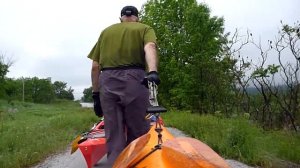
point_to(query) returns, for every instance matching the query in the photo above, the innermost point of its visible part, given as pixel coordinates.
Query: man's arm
(95, 85)
(95, 72)
(152, 62)
(151, 56)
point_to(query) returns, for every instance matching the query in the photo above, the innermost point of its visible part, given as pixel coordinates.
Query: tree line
(31, 89)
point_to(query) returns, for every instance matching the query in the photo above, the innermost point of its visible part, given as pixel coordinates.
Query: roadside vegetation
(30, 132)
(240, 139)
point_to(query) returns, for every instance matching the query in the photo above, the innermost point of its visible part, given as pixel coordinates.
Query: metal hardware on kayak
(155, 110)
(154, 107)
(153, 93)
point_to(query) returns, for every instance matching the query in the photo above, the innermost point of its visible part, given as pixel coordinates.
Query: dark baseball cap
(129, 10)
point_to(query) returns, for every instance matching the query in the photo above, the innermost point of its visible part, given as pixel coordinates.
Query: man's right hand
(153, 77)
(97, 105)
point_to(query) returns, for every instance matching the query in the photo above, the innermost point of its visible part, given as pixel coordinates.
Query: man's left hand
(97, 105)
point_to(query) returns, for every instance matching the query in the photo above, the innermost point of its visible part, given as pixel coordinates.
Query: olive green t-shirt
(122, 45)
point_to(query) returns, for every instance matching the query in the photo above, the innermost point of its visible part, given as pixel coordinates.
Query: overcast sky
(51, 38)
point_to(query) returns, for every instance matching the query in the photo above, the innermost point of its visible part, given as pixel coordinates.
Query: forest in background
(31, 89)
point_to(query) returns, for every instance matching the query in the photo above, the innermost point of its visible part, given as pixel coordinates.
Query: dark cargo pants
(124, 102)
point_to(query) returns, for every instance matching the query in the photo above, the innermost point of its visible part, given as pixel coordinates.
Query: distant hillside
(253, 90)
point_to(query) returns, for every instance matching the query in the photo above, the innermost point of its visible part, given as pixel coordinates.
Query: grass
(30, 132)
(238, 138)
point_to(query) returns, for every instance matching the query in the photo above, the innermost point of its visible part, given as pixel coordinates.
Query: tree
(69, 94)
(13, 89)
(277, 102)
(4, 66)
(193, 71)
(240, 67)
(59, 87)
(42, 90)
(61, 92)
(87, 95)
(289, 39)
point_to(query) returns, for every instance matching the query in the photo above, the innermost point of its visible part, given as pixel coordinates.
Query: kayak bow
(91, 144)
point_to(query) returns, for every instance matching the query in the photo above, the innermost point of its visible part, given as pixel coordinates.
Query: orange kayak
(151, 151)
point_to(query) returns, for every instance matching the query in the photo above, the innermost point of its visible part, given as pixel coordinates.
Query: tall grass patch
(30, 132)
(238, 138)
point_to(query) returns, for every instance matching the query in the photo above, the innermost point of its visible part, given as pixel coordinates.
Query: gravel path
(76, 160)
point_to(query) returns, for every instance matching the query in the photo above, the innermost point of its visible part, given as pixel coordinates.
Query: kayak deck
(173, 152)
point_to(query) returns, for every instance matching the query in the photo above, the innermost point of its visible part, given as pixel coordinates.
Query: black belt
(123, 67)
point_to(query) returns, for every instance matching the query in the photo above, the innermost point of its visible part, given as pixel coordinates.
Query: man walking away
(120, 57)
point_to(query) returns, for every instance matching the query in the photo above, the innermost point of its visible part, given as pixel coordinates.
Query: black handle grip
(156, 109)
